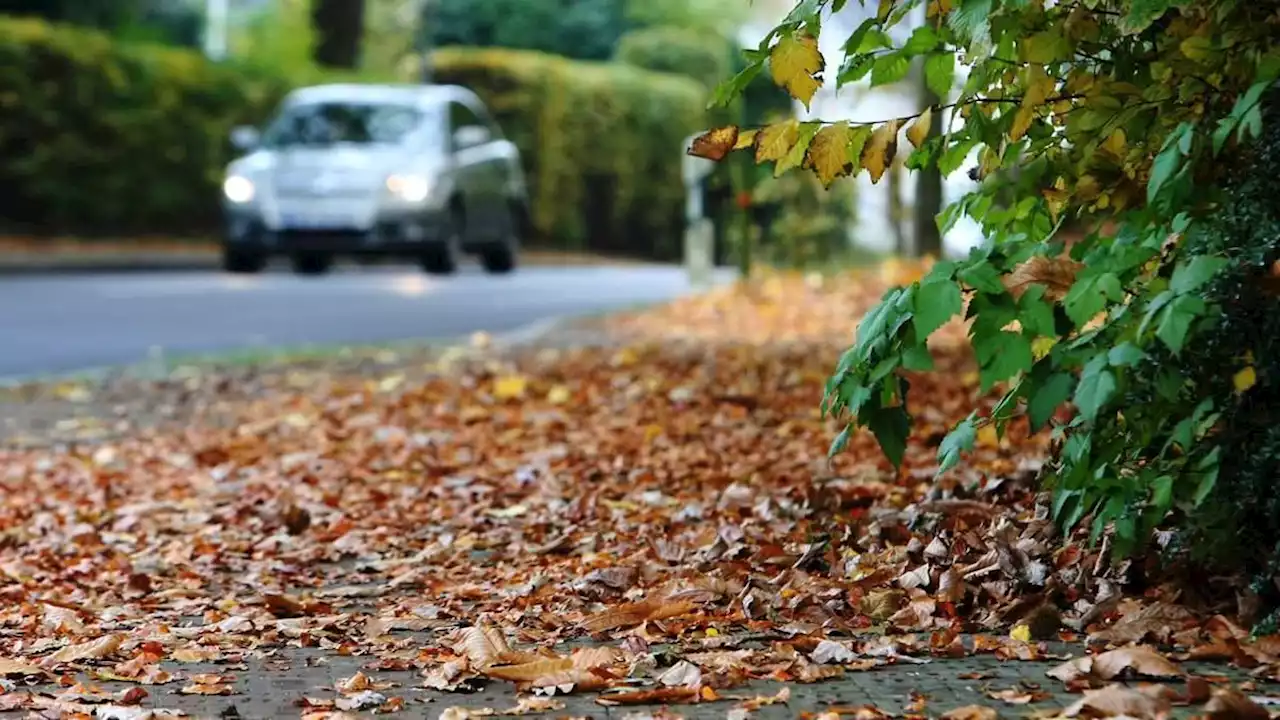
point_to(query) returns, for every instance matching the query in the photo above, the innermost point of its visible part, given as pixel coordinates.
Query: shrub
(678, 51)
(583, 29)
(107, 138)
(601, 144)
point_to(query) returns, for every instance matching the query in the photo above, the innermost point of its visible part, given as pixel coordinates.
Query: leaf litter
(665, 489)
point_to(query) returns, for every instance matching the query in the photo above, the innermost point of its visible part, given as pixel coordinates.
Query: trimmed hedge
(601, 143)
(678, 51)
(99, 137)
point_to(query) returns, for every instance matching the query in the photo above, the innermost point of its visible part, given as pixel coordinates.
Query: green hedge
(679, 51)
(601, 144)
(98, 137)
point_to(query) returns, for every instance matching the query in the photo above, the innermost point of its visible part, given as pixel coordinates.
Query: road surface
(65, 323)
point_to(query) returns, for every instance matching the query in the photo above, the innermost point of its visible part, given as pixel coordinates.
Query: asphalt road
(70, 322)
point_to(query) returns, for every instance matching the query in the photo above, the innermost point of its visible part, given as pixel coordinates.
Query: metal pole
(215, 29)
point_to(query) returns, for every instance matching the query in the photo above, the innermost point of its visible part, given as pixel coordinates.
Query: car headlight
(409, 188)
(238, 189)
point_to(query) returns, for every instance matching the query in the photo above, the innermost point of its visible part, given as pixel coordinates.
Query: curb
(109, 265)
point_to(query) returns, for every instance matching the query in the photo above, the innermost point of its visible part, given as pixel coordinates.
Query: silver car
(418, 172)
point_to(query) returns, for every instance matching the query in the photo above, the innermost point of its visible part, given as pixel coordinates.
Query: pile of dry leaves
(654, 524)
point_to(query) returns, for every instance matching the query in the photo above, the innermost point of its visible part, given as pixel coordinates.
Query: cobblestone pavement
(273, 687)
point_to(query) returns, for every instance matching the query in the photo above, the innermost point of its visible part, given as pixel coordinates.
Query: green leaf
(1089, 295)
(1097, 386)
(1125, 354)
(1167, 163)
(940, 73)
(935, 304)
(1001, 355)
(922, 40)
(954, 156)
(889, 69)
(1046, 398)
(983, 277)
(918, 358)
(960, 439)
(972, 19)
(891, 426)
(841, 441)
(1191, 275)
(733, 87)
(1176, 318)
(1162, 494)
(1035, 314)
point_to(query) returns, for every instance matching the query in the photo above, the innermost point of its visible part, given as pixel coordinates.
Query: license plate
(311, 221)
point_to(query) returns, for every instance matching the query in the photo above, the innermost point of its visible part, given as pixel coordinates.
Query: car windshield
(333, 123)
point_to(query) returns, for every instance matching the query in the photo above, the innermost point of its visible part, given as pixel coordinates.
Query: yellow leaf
(776, 140)
(1021, 633)
(1021, 122)
(1115, 143)
(714, 144)
(746, 138)
(882, 12)
(988, 437)
(1056, 200)
(795, 64)
(880, 149)
(509, 387)
(558, 395)
(1041, 346)
(829, 152)
(1087, 188)
(1038, 86)
(1245, 379)
(918, 131)
(712, 632)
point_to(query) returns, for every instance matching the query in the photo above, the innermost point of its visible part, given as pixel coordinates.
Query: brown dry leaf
(1018, 696)
(654, 696)
(1156, 621)
(1117, 700)
(20, 668)
(482, 646)
(1230, 704)
(99, 649)
(1056, 275)
(636, 614)
(971, 712)
(198, 688)
(1137, 660)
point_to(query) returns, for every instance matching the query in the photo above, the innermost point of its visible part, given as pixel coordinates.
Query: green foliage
(107, 137)
(677, 50)
(600, 143)
(1140, 112)
(280, 39)
(806, 227)
(583, 29)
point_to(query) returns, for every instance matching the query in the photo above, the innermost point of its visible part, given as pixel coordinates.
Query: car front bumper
(393, 233)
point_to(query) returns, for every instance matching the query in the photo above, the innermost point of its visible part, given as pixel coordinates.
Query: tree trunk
(928, 199)
(339, 26)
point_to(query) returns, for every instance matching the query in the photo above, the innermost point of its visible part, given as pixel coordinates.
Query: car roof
(359, 92)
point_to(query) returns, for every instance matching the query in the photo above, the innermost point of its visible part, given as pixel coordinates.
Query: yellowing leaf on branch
(828, 154)
(795, 64)
(776, 140)
(715, 143)
(746, 138)
(918, 130)
(1245, 379)
(880, 149)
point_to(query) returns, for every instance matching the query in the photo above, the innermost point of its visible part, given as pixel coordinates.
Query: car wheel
(499, 259)
(441, 258)
(312, 263)
(242, 262)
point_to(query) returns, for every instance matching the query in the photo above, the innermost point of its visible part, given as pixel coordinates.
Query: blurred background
(115, 116)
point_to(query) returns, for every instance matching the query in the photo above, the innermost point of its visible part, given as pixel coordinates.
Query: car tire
(242, 262)
(312, 263)
(442, 258)
(499, 259)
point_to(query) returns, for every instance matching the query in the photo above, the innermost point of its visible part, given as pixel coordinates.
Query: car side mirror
(471, 136)
(245, 138)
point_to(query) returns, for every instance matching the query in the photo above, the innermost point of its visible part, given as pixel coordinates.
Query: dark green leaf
(971, 19)
(1097, 386)
(891, 426)
(935, 304)
(983, 277)
(1191, 275)
(960, 439)
(1036, 314)
(1001, 356)
(1089, 295)
(918, 358)
(1047, 397)
(1176, 319)
(1125, 354)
